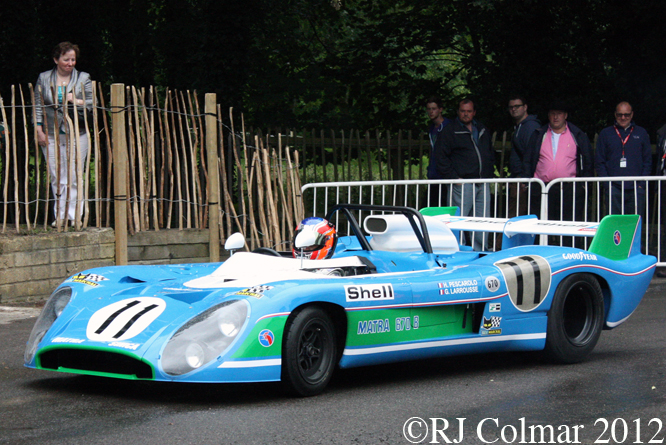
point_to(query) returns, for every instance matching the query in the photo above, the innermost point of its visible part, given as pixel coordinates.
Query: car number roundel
(527, 280)
(124, 319)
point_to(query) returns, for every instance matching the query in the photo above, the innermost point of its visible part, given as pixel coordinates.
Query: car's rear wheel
(308, 352)
(575, 319)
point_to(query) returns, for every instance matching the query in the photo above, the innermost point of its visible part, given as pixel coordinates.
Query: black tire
(309, 352)
(575, 319)
(266, 251)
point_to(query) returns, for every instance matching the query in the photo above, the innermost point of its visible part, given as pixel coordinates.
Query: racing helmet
(325, 239)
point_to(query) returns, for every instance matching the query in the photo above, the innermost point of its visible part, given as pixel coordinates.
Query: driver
(325, 239)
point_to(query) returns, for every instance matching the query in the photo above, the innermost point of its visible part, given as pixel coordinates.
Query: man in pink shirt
(560, 150)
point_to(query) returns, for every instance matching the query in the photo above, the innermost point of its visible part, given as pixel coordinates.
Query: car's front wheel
(308, 352)
(575, 319)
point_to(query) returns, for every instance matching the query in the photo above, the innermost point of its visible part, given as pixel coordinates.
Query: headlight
(230, 322)
(204, 337)
(52, 310)
(195, 355)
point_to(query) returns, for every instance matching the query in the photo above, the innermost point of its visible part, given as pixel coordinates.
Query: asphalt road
(618, 395)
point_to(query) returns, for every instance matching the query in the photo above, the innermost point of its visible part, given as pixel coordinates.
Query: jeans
(473, 200)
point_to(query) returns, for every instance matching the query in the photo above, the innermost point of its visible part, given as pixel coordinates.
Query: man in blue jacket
(464, 151)
(623, 149)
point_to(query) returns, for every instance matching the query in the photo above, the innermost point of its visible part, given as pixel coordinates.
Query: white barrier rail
(580, 199)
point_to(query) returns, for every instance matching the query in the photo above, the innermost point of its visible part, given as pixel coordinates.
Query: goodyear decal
(369, 292)
(527, 279)
(582, 256)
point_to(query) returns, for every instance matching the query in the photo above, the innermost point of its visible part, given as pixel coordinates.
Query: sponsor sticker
(373, 327)
(91, 279)
(495, 307)
(266, 338)
(582, 256)
(464, 286)
(125, 345)
(67, 340)
(255, 291)
(491, 326)
(370, 292)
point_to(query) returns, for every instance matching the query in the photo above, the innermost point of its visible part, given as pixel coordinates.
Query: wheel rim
(314, 352)
(579, 315)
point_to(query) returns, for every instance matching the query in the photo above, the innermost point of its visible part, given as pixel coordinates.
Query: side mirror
(304, 239)
(234, 242)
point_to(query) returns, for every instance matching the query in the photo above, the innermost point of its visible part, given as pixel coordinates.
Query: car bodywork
(401, 288)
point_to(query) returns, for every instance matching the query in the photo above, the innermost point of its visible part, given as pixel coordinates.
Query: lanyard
(624, 141)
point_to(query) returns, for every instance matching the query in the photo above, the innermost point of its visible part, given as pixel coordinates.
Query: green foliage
(359, 63)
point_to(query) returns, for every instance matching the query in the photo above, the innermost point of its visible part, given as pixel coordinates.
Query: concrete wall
(31, 266)
(168, 247)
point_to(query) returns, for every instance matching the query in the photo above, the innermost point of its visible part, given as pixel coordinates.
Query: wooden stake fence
(169, 178)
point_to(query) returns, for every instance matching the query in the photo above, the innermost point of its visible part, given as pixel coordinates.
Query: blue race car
(401, 288)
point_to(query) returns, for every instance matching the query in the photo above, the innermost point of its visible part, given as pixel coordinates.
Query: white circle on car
(492, 283)
(124, 319)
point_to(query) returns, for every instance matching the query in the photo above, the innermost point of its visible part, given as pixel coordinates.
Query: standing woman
(61, 89)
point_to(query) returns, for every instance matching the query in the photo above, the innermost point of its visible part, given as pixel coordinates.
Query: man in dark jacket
(434, 110)
(464, 151)
(624, 149)
(560, 150)
(524, 125)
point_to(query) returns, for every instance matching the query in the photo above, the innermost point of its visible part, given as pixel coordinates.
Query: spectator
(56, 90)
(559, 150)
(464, 151)
(524, 125)
(624, 149)
(434, 109)
(661, 171)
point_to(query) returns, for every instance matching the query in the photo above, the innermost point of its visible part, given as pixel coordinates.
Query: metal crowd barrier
(580, 199)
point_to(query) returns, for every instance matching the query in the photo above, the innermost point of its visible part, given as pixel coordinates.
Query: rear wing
(616, 237)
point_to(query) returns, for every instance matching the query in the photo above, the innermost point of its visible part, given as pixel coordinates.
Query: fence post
(119, 171)
(213, 178)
